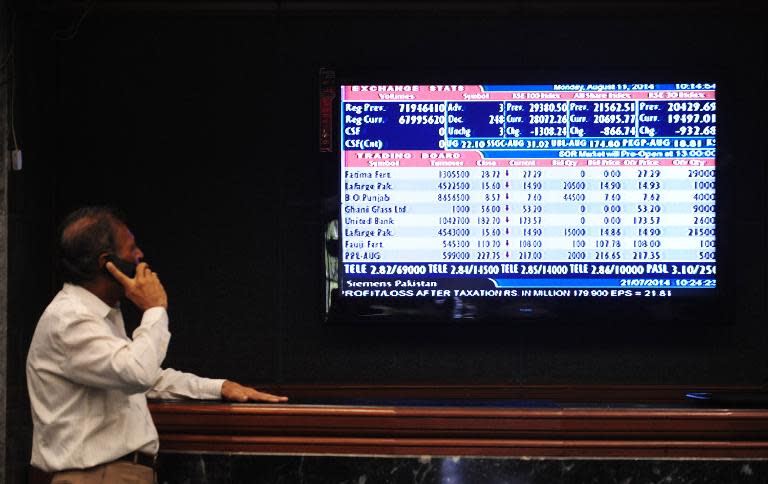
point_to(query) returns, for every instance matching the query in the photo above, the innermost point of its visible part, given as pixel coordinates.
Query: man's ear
(103, 259)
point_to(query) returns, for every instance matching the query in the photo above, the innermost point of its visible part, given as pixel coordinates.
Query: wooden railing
(488, 421)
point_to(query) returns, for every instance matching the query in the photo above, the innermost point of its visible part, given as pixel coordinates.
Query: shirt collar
(89, 299)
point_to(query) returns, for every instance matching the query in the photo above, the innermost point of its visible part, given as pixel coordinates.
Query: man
(88, 382)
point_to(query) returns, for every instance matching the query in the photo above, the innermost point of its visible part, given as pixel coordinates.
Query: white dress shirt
(89, 383)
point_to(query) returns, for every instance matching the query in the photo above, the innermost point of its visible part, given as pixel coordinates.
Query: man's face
(127, 249)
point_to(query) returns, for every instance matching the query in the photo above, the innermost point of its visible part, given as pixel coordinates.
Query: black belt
(141, 459)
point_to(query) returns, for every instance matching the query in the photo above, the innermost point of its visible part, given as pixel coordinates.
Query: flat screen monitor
(506, 202)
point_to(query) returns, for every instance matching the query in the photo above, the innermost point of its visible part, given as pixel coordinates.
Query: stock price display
(565, 190)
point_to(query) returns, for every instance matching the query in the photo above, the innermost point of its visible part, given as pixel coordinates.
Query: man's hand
(239, 393)
(145, 290)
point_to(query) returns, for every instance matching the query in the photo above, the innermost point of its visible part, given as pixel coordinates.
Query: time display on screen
(531, 190)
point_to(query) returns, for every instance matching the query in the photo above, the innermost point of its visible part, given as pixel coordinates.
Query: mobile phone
(126, 267)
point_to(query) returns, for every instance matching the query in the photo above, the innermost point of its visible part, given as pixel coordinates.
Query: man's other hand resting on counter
(240, 393)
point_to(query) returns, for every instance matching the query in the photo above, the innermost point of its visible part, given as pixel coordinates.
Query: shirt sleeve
(177, 384)
(96, 357)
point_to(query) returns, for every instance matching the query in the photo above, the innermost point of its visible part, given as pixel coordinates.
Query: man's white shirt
(88, 382)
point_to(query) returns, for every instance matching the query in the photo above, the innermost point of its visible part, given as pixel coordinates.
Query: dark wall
(204, 129)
